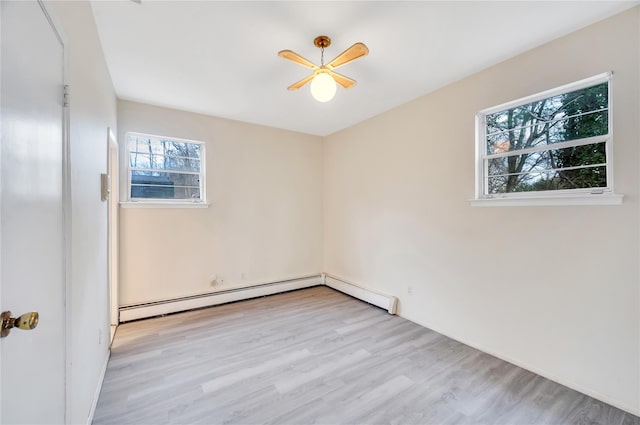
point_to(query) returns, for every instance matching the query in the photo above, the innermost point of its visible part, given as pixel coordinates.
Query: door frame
(113, 181)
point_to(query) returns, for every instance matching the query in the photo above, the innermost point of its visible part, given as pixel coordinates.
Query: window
(163, 169)
(554, 143)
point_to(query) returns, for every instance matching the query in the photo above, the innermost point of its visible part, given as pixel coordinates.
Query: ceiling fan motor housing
(322, 41)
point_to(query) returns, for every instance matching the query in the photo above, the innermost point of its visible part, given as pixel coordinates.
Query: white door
(32, 249)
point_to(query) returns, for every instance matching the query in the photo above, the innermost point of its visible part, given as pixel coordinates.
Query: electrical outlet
(99, 336)
(409, 290)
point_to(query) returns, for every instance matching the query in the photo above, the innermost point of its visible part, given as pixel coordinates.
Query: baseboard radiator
(387, 302)
(159, 308)
(162, 307)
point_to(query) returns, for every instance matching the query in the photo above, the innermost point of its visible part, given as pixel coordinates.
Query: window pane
(575, 115)
(566, 129)
(161, 162)
(152, 152)
(577, 156)
(547, 170)
(160, 192)
(152, 184)
(179, 149)
(579, 178)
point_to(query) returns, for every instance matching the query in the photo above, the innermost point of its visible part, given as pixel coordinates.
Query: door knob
(25, 322)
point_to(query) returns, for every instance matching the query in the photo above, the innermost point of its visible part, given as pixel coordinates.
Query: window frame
(165, 202)
(580, 196)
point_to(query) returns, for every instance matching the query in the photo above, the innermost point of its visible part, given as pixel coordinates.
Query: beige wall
(386, 204)
(554, 289)
(265, 219)
(92, 110)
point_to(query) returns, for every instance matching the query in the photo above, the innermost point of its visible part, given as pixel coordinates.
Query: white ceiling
(220, 58)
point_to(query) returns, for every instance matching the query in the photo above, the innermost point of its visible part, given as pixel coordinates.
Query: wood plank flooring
(316, 356)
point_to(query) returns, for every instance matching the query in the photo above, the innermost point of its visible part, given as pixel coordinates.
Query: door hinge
(65, 96)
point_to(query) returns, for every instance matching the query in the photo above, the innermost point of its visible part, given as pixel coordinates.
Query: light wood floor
(318, 356)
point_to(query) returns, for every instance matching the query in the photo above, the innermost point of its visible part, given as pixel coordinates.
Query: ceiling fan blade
(294, 57)
(354, 52)
(345, 82)
(296, 86)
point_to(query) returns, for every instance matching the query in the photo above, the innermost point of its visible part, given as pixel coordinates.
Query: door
(32, 200)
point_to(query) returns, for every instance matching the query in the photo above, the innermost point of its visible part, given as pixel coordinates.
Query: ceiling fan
(324, 79)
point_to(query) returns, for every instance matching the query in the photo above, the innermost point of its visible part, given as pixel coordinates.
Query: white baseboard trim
(159, 308)
(631, 409)
(96, 395)
(387, 302)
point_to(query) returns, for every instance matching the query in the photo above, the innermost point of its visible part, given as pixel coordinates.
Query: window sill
(590, 199)
(151, 204)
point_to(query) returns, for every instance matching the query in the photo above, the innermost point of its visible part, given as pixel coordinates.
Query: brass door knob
(25, 322)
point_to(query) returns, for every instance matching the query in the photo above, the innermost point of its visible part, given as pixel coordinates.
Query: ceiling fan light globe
(323, 87)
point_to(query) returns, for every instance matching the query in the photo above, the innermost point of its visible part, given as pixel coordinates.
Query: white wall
(264, 222)
(93, 109)
(555, 289)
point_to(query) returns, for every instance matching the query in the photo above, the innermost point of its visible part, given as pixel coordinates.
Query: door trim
(66, 205)
(113, 171)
